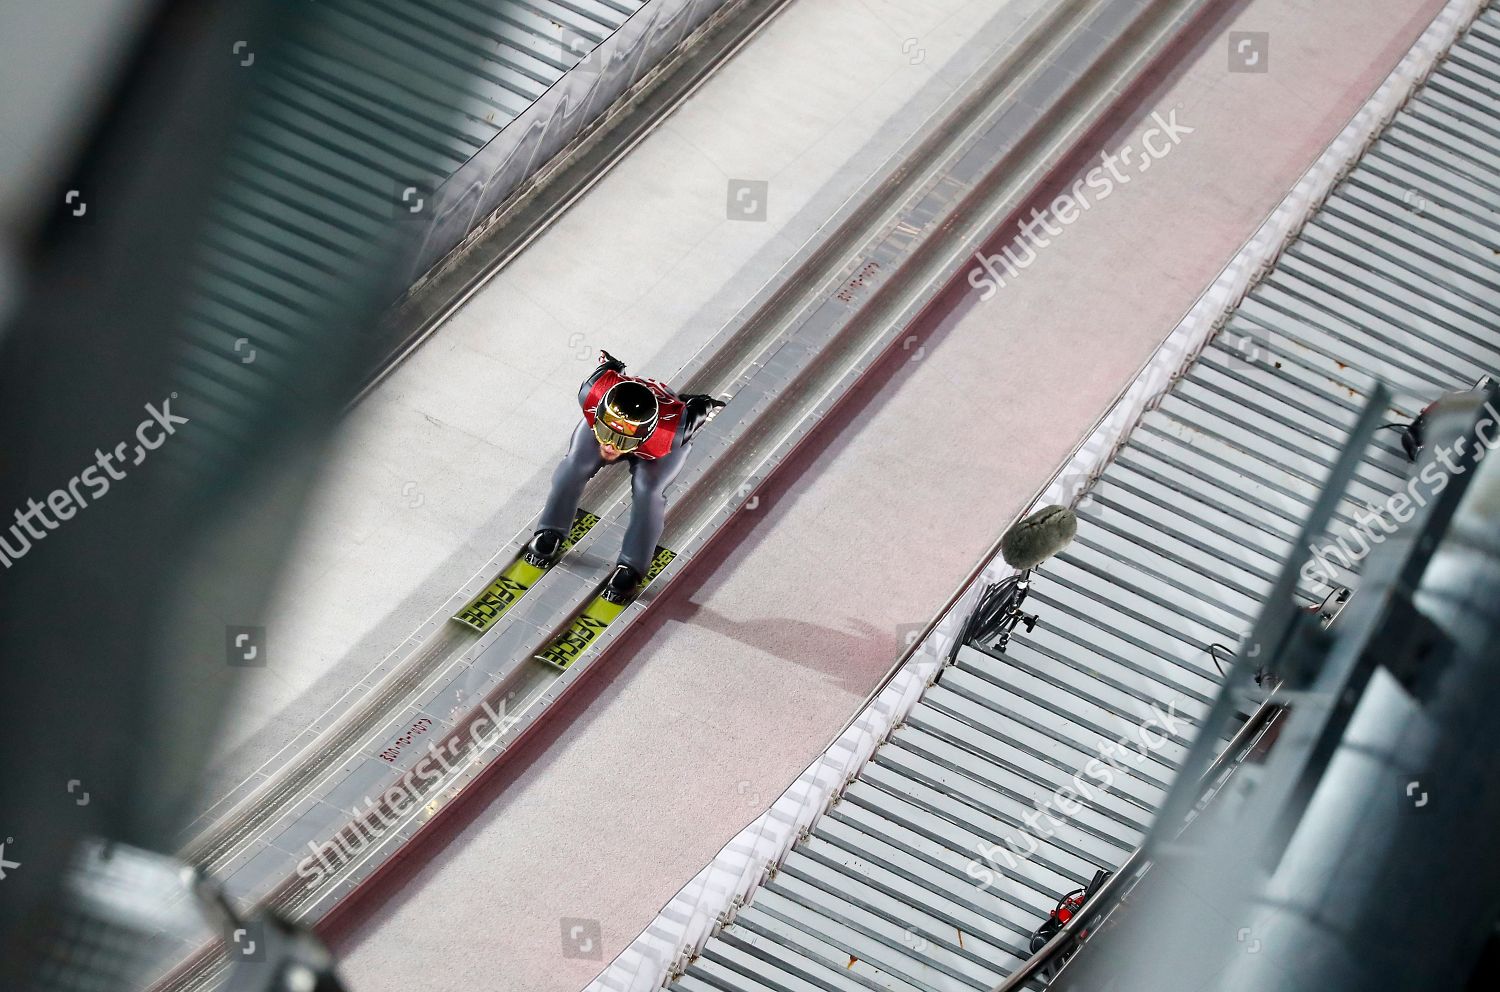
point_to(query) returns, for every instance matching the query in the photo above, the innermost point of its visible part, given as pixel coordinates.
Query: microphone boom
(1038, 537)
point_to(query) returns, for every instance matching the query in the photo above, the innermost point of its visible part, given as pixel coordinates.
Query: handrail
(1067, 938)
(1402, 571)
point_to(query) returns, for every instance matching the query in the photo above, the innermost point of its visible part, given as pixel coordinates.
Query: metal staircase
(932, 869)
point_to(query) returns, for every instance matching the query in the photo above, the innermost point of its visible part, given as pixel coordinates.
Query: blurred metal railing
(1049, 962)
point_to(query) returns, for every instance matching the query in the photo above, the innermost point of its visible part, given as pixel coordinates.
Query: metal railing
(1292, 671)
(1275, 626)
(1056, 953)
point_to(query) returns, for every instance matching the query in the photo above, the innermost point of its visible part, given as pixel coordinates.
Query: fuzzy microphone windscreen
(1038, 537)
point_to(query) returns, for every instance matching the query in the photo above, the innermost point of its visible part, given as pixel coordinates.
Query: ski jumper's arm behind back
(607, 363)
(699, 409)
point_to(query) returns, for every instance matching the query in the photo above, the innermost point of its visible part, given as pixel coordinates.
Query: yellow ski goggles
(616, 435)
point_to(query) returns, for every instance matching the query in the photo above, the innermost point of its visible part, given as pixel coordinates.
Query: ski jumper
(653, 465)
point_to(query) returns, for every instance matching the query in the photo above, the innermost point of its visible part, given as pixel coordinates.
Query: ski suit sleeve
(698, 409)
(607, 363)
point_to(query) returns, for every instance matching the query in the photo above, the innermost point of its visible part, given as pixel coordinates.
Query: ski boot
(545, 548)
(622, 585)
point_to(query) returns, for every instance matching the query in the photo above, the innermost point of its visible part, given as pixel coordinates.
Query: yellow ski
(599, 614)
(517, 579)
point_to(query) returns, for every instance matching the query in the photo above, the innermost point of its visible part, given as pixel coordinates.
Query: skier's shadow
(852, 656)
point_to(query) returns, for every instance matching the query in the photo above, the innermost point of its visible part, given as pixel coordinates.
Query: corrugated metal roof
(362, 109)
(481, 63)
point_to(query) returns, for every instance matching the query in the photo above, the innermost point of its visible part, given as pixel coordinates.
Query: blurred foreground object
(1335, 865)
(188, 317)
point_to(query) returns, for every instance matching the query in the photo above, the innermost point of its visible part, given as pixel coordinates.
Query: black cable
(1212, 654)
(992, 610)
(1337, 590)
(984, 622)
